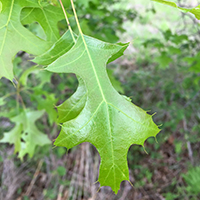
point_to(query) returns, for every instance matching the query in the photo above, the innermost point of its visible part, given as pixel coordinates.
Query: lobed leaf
(14, 37)
(108, 120)
(60, 47)
(47, 16)
(72, 107)
(25, 135)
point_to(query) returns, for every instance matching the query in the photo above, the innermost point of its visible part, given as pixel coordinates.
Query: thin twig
(34, 178)
(190, 152)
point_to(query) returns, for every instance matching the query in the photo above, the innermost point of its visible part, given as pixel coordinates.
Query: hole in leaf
(65, 85)
(36, 29)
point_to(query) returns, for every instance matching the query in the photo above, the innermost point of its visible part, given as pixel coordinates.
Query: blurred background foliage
(160, 72)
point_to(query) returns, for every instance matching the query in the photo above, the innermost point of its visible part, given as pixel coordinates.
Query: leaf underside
(48, 17)
(14, 37)
(108, 120)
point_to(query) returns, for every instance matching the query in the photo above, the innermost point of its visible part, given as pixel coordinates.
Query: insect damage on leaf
(108, 121)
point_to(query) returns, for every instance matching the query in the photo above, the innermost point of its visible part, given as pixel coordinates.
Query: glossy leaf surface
(108, 120)
(74, 105)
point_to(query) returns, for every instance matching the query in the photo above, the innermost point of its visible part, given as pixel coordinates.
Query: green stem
(76, 18)
(68, 23)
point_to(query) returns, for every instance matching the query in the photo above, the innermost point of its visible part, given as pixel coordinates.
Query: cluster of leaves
(96, 112)
(171, 66)
(100, 19)
(177, 53)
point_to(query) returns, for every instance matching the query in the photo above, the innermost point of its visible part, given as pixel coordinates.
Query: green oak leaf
(116, 84)
(195, 11)
(74, 105)
(108, 121)
(47, 16)
(60, 47)
(64, 44)
(31, 135)
(169, 3)
(47, 103)
(14, 37)
(25, 135)
(14, 136)
(118, 53)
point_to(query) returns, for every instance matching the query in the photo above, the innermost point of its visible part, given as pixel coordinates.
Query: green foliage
(192, 179)
(96, 112)
(106, 114)
(47, 16)
(25, 135)
(14, 34)
(195, 11)
(100, 19)
(61, 170)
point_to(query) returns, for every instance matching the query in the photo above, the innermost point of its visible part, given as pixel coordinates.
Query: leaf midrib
(104, 99)
(111, 141)
(93, 68)
(83, 125)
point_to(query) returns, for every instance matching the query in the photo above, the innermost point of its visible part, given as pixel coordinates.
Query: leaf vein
(83, 125)
(129, 116)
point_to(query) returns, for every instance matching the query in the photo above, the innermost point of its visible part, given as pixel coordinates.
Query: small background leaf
(25, 135)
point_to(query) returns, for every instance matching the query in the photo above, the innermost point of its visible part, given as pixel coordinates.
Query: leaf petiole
(76, 18)
(68, 23)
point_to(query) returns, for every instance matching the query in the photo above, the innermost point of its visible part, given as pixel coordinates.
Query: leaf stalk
(67, 20)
